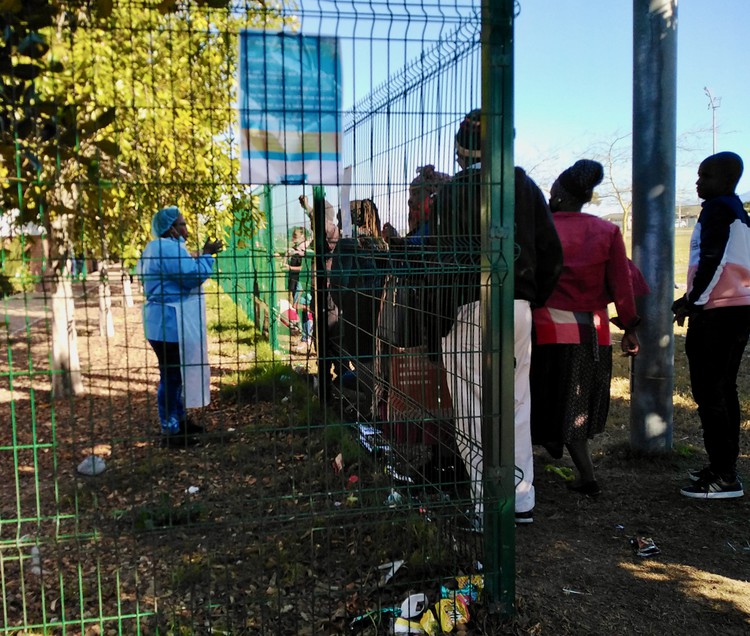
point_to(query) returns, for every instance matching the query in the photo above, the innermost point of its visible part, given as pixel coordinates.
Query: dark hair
(581, 178)
(365, 215)
(731, 165)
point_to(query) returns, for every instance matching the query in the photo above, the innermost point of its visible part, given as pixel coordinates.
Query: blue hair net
(163, 220)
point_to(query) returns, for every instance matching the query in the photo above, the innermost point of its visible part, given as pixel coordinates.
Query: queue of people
(569, 267)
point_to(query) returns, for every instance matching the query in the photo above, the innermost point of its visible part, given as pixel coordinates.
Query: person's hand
(630, 345)
(212, 247)
(681, 309)
(303, 201)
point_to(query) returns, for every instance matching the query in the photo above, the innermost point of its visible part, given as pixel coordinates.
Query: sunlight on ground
(695, 584)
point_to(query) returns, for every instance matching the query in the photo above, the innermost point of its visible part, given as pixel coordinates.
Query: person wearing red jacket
(571, 363)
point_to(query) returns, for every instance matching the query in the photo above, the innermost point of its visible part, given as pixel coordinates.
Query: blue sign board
(290, 108)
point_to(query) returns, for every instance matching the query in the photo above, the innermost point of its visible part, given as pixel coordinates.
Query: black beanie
(469, 135)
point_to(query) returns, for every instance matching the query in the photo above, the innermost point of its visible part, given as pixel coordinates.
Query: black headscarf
(580, 179)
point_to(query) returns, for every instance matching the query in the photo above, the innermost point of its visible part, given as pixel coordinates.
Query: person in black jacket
(538, 264)
(717, 306)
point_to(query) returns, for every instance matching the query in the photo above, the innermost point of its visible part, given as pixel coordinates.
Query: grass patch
(235, 334)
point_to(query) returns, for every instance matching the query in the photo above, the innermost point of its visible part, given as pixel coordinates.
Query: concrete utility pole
(713, 104)
(654, 153)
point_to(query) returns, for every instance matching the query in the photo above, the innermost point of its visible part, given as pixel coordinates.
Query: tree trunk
(66, 365)
(106, 321)
(127, 289)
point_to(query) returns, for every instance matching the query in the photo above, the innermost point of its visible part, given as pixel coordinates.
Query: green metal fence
(313, 503)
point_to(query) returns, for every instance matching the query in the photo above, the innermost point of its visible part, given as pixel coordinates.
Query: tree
(108, 113)
(616, 157)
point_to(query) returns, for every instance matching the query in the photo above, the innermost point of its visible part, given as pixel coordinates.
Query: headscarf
(580, 179)
(468, 137)
(163, 220)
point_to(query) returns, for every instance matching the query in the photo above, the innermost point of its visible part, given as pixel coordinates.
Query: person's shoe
(588, 488)
(714, 487)
(525, 517)
(700, 474)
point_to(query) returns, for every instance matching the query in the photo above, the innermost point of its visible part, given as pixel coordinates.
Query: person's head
(298, 235)
(718, 175)
(365, 217)
(169, 223)
(422, 192)
(389, 232)
(469, 139)
(575, 186)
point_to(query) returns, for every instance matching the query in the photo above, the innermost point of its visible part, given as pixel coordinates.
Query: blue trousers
(715, 342)
(169, 394)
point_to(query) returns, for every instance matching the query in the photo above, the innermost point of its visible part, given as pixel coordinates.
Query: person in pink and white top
(717, 305)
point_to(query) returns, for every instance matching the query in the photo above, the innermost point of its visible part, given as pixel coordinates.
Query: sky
(573, 75)
(573, 83)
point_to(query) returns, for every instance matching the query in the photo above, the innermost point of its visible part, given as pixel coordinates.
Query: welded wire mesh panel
(258, 437)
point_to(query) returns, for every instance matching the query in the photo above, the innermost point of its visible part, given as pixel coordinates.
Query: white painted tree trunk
(66, 365)
(106, 320)
(127, 289)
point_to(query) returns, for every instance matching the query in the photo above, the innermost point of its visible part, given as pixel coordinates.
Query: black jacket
(457, 228)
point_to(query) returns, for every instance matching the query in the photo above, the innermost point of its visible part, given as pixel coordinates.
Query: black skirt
(569, 391)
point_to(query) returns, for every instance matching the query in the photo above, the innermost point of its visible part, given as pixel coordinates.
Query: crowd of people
(569, 268)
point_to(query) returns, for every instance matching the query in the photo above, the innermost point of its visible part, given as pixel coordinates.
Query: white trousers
(462, 356)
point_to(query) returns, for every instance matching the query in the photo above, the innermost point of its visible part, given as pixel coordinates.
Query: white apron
(193, 341)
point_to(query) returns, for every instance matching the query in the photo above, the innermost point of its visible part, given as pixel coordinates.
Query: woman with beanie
(571, 364)
(175, 323)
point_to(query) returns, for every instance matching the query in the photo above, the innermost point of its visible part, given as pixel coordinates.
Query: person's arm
(305, 204)
(715, 220)
(187, 271)
(620, 284)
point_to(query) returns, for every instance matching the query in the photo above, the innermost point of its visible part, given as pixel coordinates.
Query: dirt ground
(255, 532)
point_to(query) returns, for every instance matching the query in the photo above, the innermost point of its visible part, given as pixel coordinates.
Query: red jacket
(595, 267)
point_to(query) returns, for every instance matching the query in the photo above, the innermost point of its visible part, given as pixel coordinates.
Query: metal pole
(713, 104)
(497, 304)
(654, 151)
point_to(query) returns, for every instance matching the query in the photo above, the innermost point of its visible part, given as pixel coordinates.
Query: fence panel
(317, 483)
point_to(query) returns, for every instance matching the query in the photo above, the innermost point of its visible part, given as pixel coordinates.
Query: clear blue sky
(573, 82)
(573, 74)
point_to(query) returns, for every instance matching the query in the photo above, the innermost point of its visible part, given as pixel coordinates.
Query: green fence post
(497, 302)
(267, 204)
(321, 288)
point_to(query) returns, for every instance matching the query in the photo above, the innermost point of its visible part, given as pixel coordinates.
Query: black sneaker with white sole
(714, 487)
(525, 517)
